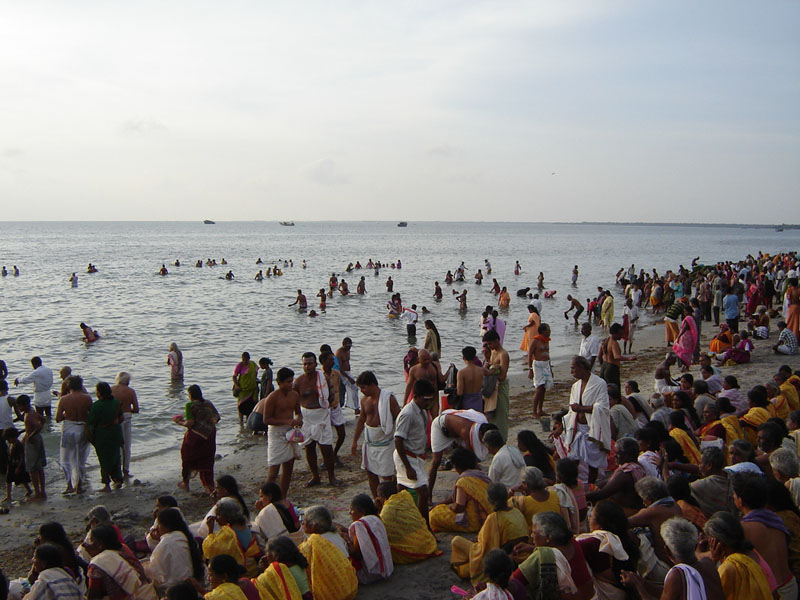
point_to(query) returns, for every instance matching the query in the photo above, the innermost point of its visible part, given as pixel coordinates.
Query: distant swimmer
(229, 275)
(177, 263)
(540, 281)
(199, 264)
(89, 334)
(390, 284)
(223, 262)
(313, 313)
(523, 292)
(259, 261)
(495, 287)
(300, 301)
(462, 300)
(575, 275)
(16, 271)
(74, 280)
(488, 266)
(163, 270)
(259, 276)
(550, 293)
(90, 269)
(399, 264)
(344, 290)
(412, 317)
(517, 268)
(5, 271)
(361, 289)
(504, 299)
(576, 306)
(333, 282)
(448, 279)
(321, 296)
(479, 277)
(437, 291)
(304, 263)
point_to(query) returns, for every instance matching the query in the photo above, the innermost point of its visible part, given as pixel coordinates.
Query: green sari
(105, 433)
(541, 571)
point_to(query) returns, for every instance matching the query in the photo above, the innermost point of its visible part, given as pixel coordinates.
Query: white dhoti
(317, 426)
(350, 397)
(376, 452)
(441, 441)
(74, 451)
(586, 450)
(542, 374)
(126, 441)
(418, 466)
(279, 450)
(337, 416)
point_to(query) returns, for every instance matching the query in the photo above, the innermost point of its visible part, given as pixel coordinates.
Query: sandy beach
(132, 505)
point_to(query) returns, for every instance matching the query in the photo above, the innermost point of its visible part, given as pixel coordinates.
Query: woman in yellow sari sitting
(468, 507)
(739, 570)
(722, 341)
(330, 572)
(410, 540)
(537, 497)
(232, 537)
(223, 575)
(757, 415)
(679, 433)
(502, 529)
(284, 576)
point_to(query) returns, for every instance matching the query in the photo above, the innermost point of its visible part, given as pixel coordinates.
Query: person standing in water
(175, 362)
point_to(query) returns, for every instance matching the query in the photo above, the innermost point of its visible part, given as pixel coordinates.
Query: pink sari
(684, 347)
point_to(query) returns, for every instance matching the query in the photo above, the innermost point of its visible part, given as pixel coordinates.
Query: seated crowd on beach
(689, 492)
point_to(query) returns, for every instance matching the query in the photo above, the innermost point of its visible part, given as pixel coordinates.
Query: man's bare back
(127, 398)
(421, 372)
(73, 407)
(469, 379)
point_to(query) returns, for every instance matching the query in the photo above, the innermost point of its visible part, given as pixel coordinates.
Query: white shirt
(506, 465)
(6, 414)
(633, 315)
(42, 379)
(410, 316)
(171, 561)
(537, 303)
(590, 346)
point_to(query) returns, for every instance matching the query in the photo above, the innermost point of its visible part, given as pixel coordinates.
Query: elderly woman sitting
(233, 536)
(367, 541)
(659, 506)
(739, 570)
(554, 564)
(537, 497)
(503, 528)
(114, 572)
(331, 574)
(468, 507)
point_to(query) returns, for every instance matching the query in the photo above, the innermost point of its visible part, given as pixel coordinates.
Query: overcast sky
(430, 110)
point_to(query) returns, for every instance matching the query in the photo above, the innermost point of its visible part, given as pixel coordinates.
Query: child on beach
(15, 468)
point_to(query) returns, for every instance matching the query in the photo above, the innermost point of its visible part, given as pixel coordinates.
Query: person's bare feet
(312, 482)
(183, 485)
(336, 483)
(105, 489)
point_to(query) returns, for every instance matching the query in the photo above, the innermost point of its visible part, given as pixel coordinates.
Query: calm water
(139, 313)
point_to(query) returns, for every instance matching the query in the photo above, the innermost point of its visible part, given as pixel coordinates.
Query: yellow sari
(743, 579)
(733, 429)
(690, 449)
(225, 542)
(498, 529)
(277, 583)
(409, 537)
(331, 575)
(780, 406)
(472, 486)
(226, 591)
(754, 417)
(529, 506)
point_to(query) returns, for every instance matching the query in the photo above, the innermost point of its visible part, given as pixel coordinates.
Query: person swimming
(229, 275)
(89, 334)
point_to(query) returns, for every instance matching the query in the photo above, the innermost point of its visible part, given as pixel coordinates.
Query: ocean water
(138, 312)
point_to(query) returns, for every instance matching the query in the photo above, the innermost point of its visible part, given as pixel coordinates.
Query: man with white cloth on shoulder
(314, 391)
(379, 409)
(410, 441)
(463, 428)
(587, 425)
(690, 578)
(72, 412)
(42, 379)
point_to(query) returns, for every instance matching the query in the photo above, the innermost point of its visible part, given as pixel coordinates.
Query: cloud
(13, 153)
(326, 172)
(443, 150)
(143, 126)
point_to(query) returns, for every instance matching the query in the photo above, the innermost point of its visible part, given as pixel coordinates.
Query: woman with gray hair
(659, 506)
(318, 519)
(554, 563)
(739, 566)
(786, 468)
(329, 566)
(234, 536)
(129, 405)
(536, 497)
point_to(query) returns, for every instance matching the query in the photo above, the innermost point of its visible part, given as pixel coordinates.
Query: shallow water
(139, 313)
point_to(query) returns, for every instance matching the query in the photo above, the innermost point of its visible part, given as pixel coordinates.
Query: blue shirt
(731, 305)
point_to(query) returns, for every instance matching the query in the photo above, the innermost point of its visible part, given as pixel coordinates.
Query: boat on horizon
(287, 223)
(209, 222)
(402, 224)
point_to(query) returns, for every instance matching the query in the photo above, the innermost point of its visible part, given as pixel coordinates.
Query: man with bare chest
(539, 368)
(498, 365)
(469, 381)
(281, 414)
(350, 395)
(129, 405)
(424, 370)
(312, 387)
(379, 409)
(611, 356)
(464, 428)
(72, 412)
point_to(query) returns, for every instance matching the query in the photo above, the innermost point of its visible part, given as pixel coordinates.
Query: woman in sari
(757, 415)
(232, 537)
(200, 440)
(114, 572)
(742, 577)
(793, 306)
(410, 540)
(537, 497)
(105, 434)
(685, 343)
(530, 329)
(468, 506)
(433, 343)
(245, 386)
(175, 362)
(722, 341)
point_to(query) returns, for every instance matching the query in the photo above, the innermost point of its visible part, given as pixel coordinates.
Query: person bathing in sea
(301, 302)
(89, 334)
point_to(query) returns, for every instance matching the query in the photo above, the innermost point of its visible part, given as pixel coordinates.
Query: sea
(138, 312)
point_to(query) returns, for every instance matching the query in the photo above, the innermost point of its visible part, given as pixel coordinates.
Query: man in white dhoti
(281, 414)
(72, 412)
(314, 391)
(379, 409)
(587, 425)
(463, 428)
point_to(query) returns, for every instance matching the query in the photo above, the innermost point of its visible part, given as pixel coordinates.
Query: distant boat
(779, 228)
(402, 224)
(287, 223)
(209, 222)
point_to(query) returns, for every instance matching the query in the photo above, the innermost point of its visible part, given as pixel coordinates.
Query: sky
(592, 110)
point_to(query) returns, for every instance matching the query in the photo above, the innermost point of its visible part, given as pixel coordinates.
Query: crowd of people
(690, 492)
